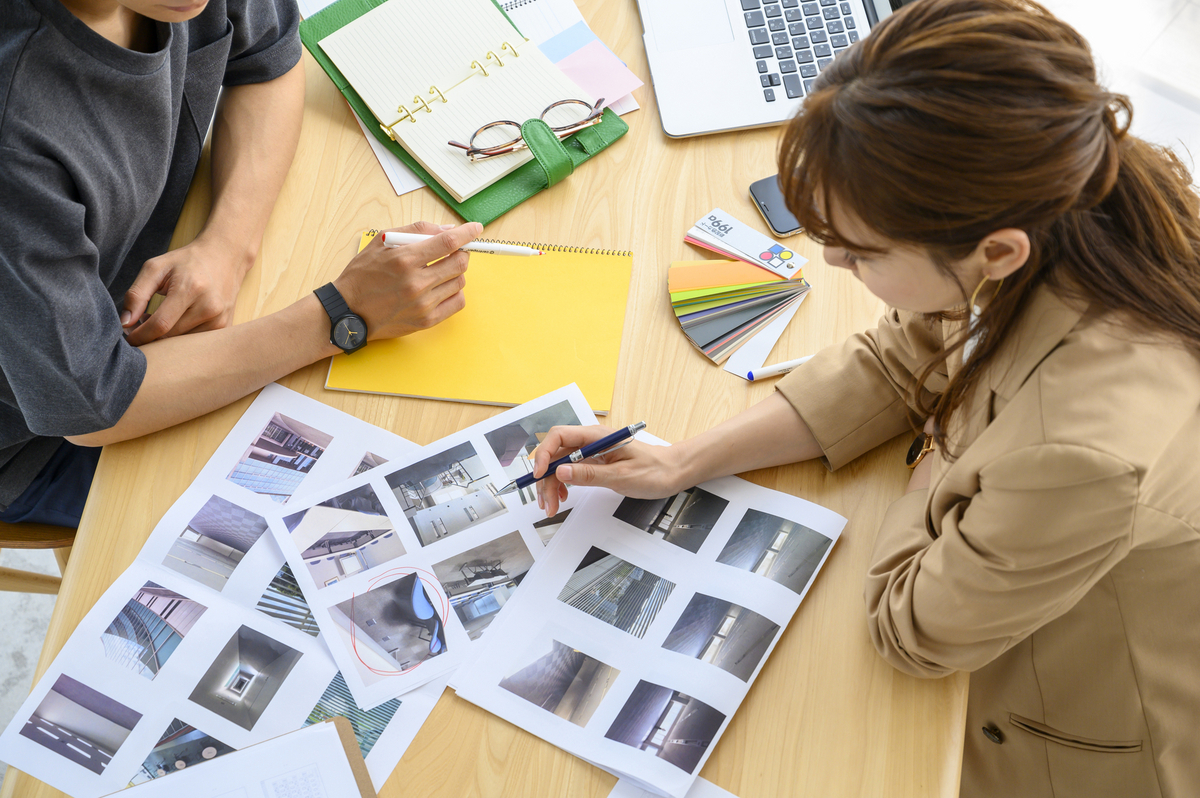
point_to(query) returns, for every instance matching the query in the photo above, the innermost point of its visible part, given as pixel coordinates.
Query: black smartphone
(769, 201)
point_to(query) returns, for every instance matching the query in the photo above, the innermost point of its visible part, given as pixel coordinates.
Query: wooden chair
(35, 536)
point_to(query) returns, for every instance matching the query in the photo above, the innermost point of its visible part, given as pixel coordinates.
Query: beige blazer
(1057, 558)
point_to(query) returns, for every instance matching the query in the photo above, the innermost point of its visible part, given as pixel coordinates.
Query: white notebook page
(396, 52)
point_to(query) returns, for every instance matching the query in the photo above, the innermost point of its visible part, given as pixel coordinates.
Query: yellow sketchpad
(531, 325)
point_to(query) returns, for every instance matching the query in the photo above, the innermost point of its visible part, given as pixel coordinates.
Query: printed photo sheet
(404, 566)
(639, 635)
(309, 763)
(205, 644)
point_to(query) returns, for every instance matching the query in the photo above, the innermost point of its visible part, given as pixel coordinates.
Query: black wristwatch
(347, 330)
(922, 446)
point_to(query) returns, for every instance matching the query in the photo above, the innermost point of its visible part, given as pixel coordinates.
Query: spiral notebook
(531, 325)
(432, 72)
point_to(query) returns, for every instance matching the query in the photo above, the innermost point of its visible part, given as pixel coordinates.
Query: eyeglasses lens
(502, 134)
(566, 114)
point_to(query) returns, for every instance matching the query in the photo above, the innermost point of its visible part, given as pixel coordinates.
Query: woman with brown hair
(1044, 270)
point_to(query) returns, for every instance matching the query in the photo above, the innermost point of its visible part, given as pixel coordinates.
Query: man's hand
(400, 290)
(200, 285)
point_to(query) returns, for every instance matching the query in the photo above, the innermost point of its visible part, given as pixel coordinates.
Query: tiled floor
(1146, 50)
(26, 616)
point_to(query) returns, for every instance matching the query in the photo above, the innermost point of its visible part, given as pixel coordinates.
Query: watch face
(349, 332)
(915, 451)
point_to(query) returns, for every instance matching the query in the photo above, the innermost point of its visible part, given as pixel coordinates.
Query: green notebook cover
(496, 199)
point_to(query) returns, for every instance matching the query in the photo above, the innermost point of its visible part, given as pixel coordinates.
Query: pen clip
(612, 448)
(634, 429)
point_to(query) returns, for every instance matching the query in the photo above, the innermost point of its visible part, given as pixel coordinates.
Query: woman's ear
(1001, 253)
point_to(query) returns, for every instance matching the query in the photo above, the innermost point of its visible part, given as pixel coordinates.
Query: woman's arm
(1046, 525)
(255, 132)
(768, 434)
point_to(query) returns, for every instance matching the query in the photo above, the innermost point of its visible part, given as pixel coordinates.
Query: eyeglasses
(502, 137)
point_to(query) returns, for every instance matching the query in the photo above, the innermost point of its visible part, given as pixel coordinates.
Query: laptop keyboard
(793, 41)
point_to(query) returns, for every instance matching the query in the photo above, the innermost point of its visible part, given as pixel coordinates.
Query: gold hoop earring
(972, 308)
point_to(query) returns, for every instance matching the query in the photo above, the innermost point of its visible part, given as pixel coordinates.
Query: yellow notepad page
(531, 325)
(418, 55)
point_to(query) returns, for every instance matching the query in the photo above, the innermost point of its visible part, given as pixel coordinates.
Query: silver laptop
(721, 65)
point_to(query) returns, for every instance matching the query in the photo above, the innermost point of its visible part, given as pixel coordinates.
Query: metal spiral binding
(513, 4)
(620, 253)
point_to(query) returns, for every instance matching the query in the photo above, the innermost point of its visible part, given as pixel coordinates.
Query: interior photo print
(80, 724)
(343, 536)
(481, 580)
(563, 681)
(212, 544)
(148, 629)
(444, 494)
(781, 550)
(615, 591)
(368, 462)
(546, 528)
(684, 519)
(179, 747)
(284, 601)
(720, 632)
(672, 726)
(368, 725)
(245, 676)
(513, 444)
(398, 621)
(279, 458)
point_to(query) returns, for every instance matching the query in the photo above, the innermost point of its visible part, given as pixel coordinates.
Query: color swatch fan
(722, 304)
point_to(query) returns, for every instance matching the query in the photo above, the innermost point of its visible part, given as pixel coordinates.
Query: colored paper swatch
(719, 311)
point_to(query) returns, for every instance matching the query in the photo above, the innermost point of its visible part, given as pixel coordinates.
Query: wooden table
(826, 717)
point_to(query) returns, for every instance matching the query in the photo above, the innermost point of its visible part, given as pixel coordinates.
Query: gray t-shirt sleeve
(266, 40)
(64, 356)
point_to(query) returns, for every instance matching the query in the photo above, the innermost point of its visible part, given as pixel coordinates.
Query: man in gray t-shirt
(102, 118)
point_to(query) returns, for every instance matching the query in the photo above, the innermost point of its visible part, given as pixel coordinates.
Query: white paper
(702, 788)
(422, 535)
(402, 178)
(752, 354)
(310, 763)
(542, 20)
(201, 647)
(647, 623)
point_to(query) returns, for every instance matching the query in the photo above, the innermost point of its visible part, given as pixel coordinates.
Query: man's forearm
(255, 133)
(190, 375)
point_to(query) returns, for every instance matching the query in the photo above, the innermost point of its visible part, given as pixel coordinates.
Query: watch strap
(332, 301)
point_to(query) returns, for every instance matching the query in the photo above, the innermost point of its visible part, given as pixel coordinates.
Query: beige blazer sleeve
(855, 395)
(1048, 522)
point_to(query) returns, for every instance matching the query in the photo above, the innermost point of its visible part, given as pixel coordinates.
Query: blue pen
(605, 444)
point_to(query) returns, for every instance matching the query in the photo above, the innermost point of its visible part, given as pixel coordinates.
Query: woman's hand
(636, 469)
